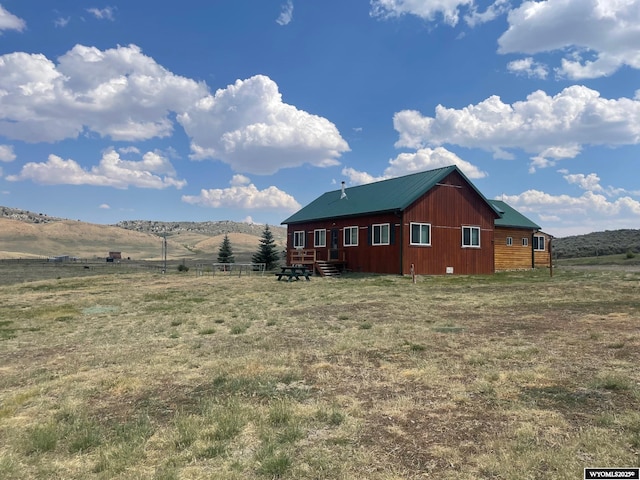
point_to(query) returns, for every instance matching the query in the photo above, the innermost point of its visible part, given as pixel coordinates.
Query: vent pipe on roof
(343, 194)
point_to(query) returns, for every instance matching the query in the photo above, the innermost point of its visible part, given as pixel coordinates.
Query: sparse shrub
(630, 254)
(272, 464)
(239, 328)
(290, 433)
(280, 413)
(183, 268)
(42, 438)
(186, 430)
(85, 435)
(332, 417)
(612, 382)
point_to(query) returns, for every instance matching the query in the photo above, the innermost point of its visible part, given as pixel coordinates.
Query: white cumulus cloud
(6, 153)
(8, 21)
(153, 171)
(550, 128)
(125, 95)
(597, 208)
(243, 194)
(598, 36)
(499, 7)
(588, 204)
(528, 67)
(407, 163)
(425, 9)
(119, 92)
(249, 127)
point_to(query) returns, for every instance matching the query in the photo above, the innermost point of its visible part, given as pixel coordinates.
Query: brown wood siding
(447, 208)
(515, 257)
(362, 258)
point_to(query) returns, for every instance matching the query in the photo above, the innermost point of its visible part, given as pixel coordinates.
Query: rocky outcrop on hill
(207, 228)
(26, 216)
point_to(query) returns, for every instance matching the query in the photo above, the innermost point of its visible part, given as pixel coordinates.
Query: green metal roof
(510, 217)
(383, 196)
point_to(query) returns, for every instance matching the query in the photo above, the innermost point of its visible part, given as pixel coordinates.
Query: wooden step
(326, 269)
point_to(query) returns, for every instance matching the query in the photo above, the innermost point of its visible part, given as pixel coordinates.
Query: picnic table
(293, 273)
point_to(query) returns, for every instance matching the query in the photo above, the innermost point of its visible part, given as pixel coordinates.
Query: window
(525, 242)
(471, 237)
(380, 234)
(509, 241)
(298, 239)
(538, 243)
(351, 236)
(319, 238)
(420, 234)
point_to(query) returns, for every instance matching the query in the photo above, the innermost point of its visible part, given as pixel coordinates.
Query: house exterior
(436, 221)
(518, 242)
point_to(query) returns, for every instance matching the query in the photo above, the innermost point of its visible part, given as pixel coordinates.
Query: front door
(333, 250)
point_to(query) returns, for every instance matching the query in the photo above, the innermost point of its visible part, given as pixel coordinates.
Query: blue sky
(247, 110)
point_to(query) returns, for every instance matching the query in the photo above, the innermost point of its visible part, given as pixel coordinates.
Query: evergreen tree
(225, 253)
(267, 251)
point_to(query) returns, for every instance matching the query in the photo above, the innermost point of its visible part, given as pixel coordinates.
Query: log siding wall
(514, 257)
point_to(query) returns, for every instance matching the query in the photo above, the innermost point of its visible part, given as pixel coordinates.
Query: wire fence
(238, 269)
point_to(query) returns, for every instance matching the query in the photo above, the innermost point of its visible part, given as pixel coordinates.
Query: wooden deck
(309, 258)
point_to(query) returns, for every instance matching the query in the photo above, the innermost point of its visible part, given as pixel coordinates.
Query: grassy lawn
(138, 375)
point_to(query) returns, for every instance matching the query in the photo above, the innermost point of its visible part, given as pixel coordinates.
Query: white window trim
(538, 249)
(324, 237)
(471, 228)
(509, 241)
(344, 236)
(419, 244)
(297, 235)
(381, 226)
(525, 242)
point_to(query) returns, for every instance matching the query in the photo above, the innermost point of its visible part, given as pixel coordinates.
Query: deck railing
(310, 256)
(301, 256)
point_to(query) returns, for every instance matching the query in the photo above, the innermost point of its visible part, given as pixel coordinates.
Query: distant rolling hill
(25, 234)
(609, 242)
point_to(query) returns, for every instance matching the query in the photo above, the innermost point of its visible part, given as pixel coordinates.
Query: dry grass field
(137, 375)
